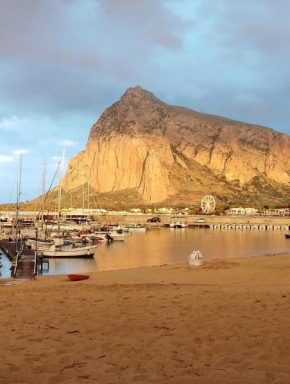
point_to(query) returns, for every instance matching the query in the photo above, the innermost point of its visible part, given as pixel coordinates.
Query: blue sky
(62, 62)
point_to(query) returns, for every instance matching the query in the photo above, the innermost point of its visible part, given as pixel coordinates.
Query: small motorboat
(135, 227)
(77, 277)
(287, 236)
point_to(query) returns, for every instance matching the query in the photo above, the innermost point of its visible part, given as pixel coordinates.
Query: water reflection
(5, 270)
(166, 246)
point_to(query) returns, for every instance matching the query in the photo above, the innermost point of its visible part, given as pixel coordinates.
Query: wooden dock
(25, 265)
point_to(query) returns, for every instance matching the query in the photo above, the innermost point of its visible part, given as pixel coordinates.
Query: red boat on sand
(77, 277)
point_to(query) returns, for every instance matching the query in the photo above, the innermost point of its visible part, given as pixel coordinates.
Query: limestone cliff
(169, 153)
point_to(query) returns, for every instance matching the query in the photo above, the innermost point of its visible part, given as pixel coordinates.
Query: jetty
(24, 261)
(239, 222)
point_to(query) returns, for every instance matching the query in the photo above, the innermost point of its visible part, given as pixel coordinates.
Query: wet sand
(224, 322)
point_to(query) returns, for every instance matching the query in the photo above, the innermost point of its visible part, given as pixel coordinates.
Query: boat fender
(195, 258)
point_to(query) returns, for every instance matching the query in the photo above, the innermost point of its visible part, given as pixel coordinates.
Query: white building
(242, 211)
(277, 212)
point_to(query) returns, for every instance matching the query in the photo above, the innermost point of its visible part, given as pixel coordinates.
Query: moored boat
(70, 251)
(135, 227)
(178, 222)
(117, 236)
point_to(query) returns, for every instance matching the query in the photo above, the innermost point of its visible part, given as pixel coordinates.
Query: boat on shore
(77, 277)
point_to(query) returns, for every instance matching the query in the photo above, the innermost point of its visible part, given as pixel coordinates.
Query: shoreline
(203, 265)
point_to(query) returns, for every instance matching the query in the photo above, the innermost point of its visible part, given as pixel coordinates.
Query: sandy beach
(223, 322)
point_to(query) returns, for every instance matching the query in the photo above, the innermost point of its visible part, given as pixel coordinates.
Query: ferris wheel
(208, 204)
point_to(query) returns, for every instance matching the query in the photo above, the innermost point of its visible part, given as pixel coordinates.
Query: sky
(62, 62)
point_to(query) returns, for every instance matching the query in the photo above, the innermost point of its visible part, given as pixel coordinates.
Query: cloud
(151, 21)
(18, 152)
(57, 158)
(67, 143)
(11, 123)
(5, 159)
(63, 62)
(76, 51)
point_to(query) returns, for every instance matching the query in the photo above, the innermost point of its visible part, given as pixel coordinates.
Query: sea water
(171, 246)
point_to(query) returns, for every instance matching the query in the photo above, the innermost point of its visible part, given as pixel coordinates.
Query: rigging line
(96, 203)
(38, 216)
(36, 204)
(11, 191)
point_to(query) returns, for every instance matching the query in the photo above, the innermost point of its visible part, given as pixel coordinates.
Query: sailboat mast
(18, 200)
(18, 194)
(61, 167)
(43, 188)
(59, 195)
(83, 182)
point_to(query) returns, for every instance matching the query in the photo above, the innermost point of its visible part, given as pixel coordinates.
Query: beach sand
(224, 322)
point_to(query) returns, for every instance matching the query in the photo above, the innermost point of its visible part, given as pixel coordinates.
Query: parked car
(154, 220)
(200, 220)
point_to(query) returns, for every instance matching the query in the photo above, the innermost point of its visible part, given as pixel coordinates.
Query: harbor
(159, 246)
(145, 192)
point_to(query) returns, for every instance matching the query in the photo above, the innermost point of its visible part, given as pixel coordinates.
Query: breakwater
(211, 221)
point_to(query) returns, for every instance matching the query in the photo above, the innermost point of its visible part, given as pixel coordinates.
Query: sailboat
(67, 248)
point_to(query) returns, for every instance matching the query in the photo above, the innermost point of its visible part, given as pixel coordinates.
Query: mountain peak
(143, 147)
(138, 92)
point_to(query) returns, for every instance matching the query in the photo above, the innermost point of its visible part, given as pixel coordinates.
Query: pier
(24, 263)
(211, 221)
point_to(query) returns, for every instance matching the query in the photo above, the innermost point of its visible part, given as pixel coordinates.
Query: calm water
(168, 246)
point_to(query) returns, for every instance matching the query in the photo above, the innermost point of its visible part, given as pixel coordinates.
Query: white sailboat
(69, 250)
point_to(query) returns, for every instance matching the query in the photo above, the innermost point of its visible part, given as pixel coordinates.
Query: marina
(159, 246)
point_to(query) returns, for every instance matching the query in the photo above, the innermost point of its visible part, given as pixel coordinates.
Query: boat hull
(135, 228)
(70, 253)
(77, 277)
(178, 225)
(117, 237)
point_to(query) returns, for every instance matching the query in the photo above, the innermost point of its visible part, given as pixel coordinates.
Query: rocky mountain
(146, 151)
